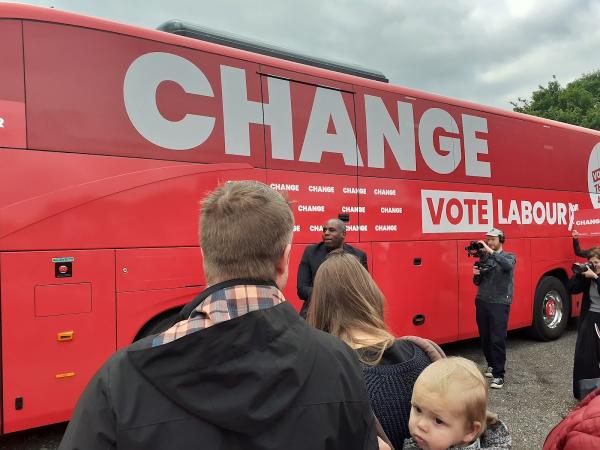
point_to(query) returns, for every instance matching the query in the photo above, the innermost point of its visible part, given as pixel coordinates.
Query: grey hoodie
(495, 437)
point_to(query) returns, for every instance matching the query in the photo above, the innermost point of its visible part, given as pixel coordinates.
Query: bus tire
(551, 309)
(158, 324)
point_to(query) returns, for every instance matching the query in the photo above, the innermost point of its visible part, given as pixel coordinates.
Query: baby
(449, 410)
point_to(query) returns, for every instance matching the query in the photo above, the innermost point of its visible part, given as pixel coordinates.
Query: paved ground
(536, 396)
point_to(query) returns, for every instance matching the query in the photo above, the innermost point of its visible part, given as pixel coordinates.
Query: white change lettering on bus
(587, 222)
(285, 187)
(456, 212)
(353, 209)
(142, 79)
(1, 122)
(327, 189)
(356, 228)
(353, 190)
(316, 228)
(526, 213)
(390, 192)
(388, 210)
(311, 208)
(441, 152)
(386, 227)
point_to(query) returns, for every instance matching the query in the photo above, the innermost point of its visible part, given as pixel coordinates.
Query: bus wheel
(551, 309)
(160, 323)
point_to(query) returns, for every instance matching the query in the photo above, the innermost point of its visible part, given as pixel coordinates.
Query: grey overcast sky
(486, 51)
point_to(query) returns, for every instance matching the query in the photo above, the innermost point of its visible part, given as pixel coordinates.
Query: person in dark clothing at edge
(334, 236)
(347, 303)
(243, 371)
(586, 364)
(494, 276)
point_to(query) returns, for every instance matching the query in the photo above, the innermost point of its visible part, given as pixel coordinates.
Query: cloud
(485, 52)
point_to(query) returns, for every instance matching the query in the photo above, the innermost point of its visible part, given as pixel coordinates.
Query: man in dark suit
(334, 235)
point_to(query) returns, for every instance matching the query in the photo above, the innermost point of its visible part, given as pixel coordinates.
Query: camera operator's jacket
(496, 282)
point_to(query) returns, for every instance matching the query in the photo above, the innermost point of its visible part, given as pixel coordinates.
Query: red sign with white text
(587, 222)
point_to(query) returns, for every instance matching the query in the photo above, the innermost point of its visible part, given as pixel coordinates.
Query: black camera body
(483, 267)
(475, 249)
(578, 268)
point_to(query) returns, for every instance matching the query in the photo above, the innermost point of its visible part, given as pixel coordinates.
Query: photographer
(586, 372)
(493, 274)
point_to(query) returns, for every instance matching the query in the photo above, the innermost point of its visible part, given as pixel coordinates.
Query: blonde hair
(345, 299)
(245, 227)
(458, 379)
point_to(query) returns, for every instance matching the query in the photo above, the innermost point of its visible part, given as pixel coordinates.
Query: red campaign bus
(111, 134)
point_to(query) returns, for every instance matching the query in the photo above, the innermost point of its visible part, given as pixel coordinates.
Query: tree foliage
(578, 103)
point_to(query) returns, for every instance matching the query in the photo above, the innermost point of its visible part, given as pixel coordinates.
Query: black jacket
(390, 385)
(495, 284)
(578, 251)
(312, 258)
(579, 284)
(264, 380)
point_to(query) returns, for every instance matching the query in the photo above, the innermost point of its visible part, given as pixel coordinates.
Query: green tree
(578, 103)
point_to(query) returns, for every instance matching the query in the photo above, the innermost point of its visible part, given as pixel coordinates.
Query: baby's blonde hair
(455, 375)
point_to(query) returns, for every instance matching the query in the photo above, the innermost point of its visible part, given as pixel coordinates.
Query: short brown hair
(244, 229)
(345, 299)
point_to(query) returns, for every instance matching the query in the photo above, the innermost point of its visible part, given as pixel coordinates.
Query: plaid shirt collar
(223, 304)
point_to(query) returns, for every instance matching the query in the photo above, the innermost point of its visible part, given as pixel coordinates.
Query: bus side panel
(395, 134)
(312, 209)
(150, 281)
(103, 202)
(12, 88)
(78, 99)
(418, 280)
(58, 327)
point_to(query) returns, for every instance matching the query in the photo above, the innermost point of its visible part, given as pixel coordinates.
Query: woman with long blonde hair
(347, 303)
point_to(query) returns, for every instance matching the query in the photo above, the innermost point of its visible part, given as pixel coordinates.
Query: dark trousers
(587, 354)
(492, 322)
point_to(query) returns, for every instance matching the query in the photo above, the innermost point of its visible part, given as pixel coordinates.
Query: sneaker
(488, 373)
(497, 383)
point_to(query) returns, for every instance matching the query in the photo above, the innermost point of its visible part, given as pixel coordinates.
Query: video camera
(475, 249)
(579, 268)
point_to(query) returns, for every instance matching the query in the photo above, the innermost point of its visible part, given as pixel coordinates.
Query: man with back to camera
(494, 276)
(243, 371)
(334, 237)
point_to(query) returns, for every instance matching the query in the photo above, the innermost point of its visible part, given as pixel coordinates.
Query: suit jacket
(312, 258)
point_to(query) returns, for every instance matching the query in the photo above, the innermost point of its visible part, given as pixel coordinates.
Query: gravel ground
(537, 392)
(535, 397)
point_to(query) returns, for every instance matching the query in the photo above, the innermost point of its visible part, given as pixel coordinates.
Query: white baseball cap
(494, 232)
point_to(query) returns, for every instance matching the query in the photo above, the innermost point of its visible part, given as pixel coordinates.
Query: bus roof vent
(190, 30)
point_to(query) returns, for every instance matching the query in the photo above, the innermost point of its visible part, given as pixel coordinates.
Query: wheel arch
(560, 274)
(158, 323)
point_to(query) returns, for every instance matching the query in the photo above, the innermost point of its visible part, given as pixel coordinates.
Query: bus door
(409, 145)
(58, 327)
(418, 280)
(311, 155)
